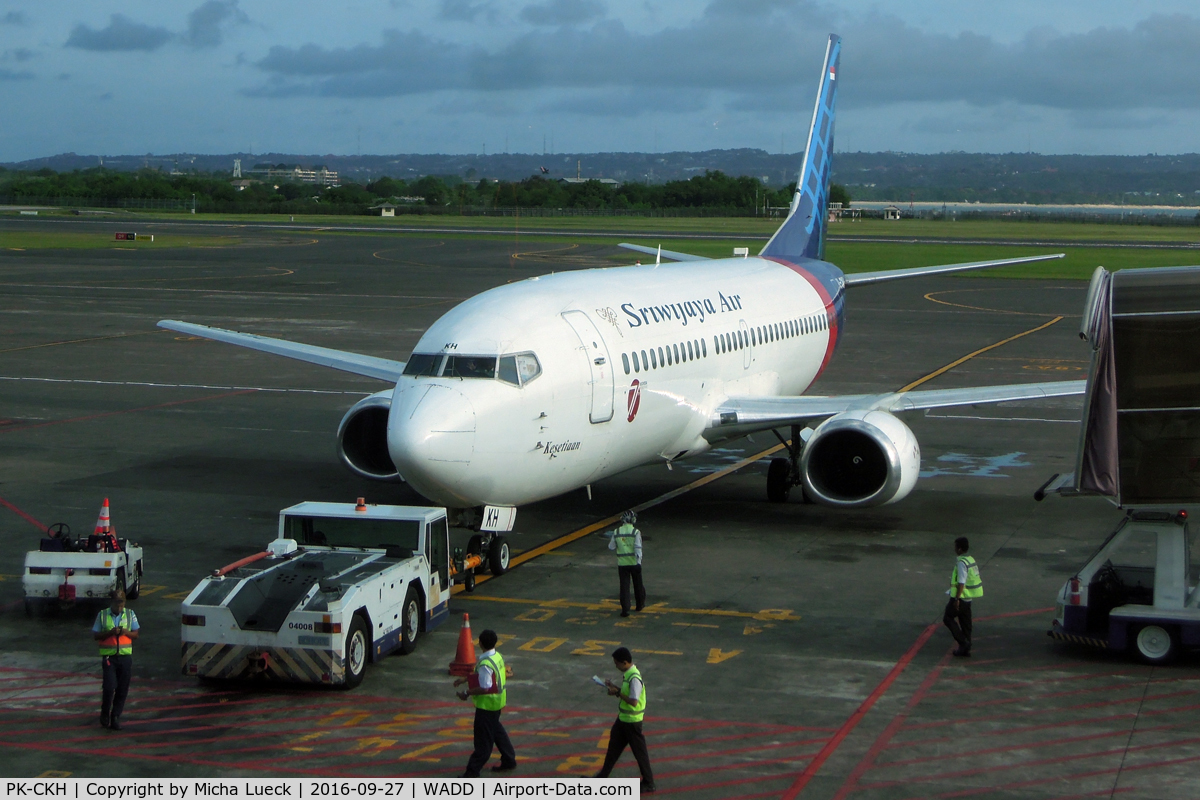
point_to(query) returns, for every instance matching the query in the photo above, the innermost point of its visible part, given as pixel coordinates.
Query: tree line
(216, 192)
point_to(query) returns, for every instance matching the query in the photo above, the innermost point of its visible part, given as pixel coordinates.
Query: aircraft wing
(382, 368)
(859, 278)
(741, 415)
(671, 254)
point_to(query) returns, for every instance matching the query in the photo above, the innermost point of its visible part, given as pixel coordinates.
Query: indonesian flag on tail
(833, 72)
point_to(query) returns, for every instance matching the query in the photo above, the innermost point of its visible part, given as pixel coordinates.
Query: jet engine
(362, 438)
(859, 459)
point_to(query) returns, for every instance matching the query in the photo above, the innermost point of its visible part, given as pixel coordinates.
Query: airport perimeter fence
(157, 203)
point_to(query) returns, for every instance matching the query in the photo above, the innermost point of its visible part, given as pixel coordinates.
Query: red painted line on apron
(1041, 762)
(41, 526)
(861, 712)
(1022, 714)
(891, 730)
(127, 411)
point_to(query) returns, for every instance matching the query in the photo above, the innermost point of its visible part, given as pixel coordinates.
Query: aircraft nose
(431, 432)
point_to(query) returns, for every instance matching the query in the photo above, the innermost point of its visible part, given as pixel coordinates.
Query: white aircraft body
(541, 387)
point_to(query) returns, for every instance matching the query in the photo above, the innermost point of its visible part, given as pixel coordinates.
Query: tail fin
(802, 234)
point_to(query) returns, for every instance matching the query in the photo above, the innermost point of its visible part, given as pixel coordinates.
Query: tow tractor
(65, 570)
(1137, 593)
(342, 585)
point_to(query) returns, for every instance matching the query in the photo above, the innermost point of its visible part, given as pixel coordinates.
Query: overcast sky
(456, 76)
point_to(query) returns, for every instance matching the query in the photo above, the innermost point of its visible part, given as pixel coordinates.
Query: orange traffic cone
(103, 523)
(464, 661)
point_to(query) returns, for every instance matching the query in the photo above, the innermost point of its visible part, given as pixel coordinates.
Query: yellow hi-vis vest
(974, 585)
(626, 712)
(626, 541)
(116, 645)
(493, 702)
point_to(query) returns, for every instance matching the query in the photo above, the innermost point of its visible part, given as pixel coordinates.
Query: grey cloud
(772, 64)
(562, 12)
(206, 24)
(10, 75)
(14, 18)
(20, 55)
(464, 10)
(122, 34)
(629, 102)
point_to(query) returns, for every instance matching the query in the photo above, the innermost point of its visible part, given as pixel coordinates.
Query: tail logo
(635, 398)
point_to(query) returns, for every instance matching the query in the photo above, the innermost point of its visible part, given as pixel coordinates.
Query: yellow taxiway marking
(969, 356)
(693, 625)
(772, 614)
(931, 297)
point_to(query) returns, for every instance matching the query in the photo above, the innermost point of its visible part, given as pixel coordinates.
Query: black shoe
(962, 653)
(502, 767)
(648, 789)
(468, 775)
(624, 613)
(114, 725)
(639, 608)
(103, 722)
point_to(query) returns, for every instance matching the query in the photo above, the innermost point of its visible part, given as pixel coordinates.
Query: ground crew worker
(627, 541)
(115, 629)
(627, 730)
(965, 586)
(490, 698)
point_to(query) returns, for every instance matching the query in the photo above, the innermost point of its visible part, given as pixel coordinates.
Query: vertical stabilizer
(802, 234)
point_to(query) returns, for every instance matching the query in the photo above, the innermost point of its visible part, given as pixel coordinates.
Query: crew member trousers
(117, 672)
(632, 572)
(628, 734)
(958, 620)
(488, 732)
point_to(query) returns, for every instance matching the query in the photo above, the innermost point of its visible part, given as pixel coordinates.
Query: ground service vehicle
(1137, 592)
(342, 585)
(64, 570)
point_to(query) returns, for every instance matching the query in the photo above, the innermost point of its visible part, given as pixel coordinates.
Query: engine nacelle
(362, 438)
(859, 459)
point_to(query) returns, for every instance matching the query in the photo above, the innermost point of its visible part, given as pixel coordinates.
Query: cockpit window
(423, 364)
(508, 370)
(528, 367)
(469, 367)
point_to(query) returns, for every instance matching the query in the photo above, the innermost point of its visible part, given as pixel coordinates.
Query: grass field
(70, 240)
(852, 247)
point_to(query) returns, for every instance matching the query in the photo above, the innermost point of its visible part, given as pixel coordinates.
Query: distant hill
(1008, 177)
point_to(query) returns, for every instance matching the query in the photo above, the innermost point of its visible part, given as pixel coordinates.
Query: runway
(789, 650)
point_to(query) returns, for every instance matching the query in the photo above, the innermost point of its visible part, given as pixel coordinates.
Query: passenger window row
(665, 356)
(654, 358)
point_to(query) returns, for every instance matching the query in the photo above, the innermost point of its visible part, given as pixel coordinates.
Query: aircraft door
(599, 364)
(748, 350)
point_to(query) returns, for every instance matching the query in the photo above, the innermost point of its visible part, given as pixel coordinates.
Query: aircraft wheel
(779, 484)
(410, 621)
(355, 653)
(498, 556)
(469, 581)
(1155, 644)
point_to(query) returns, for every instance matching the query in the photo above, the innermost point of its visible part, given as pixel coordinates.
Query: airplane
(537, 388)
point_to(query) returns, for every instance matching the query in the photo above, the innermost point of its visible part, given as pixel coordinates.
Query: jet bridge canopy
(1140, 439)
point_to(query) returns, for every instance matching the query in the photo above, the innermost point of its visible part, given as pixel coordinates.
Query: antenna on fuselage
(658, 258)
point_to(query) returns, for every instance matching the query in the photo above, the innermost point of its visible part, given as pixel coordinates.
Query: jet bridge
(1139, 447)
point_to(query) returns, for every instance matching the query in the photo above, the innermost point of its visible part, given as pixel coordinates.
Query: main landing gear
(784, 473)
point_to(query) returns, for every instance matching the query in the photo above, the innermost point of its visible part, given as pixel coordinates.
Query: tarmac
(789, 650)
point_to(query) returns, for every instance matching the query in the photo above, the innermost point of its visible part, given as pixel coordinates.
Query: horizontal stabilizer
(860, 278)
(671, 254)
(368, 366)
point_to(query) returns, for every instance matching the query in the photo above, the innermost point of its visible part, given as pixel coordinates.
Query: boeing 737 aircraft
(536, 388)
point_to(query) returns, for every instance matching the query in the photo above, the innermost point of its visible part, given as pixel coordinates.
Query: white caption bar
(351, 788)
